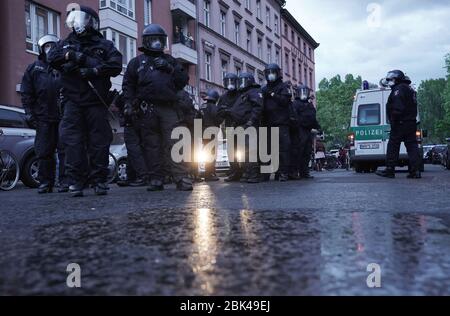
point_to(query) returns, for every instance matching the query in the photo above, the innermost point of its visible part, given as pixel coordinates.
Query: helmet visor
(80, 21)
(303, 93)
(243, 83)
(230, 83)
(155, 43)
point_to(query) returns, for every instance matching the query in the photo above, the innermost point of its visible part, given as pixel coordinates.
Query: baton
(101, 99)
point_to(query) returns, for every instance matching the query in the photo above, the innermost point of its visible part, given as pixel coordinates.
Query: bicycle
(9, 169)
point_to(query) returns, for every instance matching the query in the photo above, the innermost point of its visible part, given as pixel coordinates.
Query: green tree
(444, 123)
(430, 96)
(334, 106)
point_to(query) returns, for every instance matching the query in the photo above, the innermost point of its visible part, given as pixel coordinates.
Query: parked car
(446, 155)
(437, 154)
(119, 151)
(18, 137)
(427, 153)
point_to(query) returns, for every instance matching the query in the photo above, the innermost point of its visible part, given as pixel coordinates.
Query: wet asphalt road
(297, 238)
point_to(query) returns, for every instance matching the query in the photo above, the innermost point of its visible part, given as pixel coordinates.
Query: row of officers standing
(66, 95)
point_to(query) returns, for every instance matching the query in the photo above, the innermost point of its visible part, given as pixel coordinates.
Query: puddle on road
(209, 252)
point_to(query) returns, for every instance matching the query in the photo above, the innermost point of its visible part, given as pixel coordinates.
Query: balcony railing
(187, 41)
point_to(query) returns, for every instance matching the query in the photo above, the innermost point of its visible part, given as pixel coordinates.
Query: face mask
(272, 77)
(156, 45)
(391, 83)
(231, 87)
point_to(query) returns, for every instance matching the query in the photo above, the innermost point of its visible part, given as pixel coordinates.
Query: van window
(12, 119)
(369, 114)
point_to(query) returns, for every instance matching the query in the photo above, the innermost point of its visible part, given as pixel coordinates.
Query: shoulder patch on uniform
(261, 95)
(397, 92)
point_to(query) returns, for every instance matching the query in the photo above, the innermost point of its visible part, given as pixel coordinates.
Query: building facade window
(39, 22)
(310, 53)
(286, 60)
(268, 21)
(294, 65)
(249, 41)
(208, 66)
(223, 23)
(300, 72)
(305, 73)
(277, 57)
(125, 44)
(260, 48)
(147, 12)
(269, 54)
(248, 4)
(237, 33)
(258, 9)
(207, 12)
(276, 24)
(238, 69)
(224, 68)
(311, 80)
(125, 7)
(304, 48)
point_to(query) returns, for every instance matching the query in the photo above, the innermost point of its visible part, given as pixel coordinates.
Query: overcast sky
(368, 38)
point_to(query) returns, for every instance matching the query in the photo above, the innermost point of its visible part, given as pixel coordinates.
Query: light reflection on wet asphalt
(268, 239)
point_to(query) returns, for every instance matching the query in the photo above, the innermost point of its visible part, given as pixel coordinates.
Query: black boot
(294, 176)
(139, 182)
(63, 188)
(101, 189)
(307, 176)
(283, 177)
(185, 185)
(234, 177)
(156, 185)
(123, 183)
(211, 178)
(45, 188)
(387, 173)
(414, 175)
(76, 190)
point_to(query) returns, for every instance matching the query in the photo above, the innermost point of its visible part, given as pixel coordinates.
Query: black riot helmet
(272, 72)
(395, 77)
(212, 95)
(82, 20)
(46, 43)
(154, 39)
(245, 80)
(302, 92)
(407, 80)
(230, 81)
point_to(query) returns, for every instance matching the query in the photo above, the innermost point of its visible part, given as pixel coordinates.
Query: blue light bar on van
(365, 85)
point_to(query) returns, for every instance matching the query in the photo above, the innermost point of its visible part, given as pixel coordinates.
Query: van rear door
(369, 130)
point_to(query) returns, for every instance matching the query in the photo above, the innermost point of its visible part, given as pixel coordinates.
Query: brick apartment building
(209, 37)
(122, 21)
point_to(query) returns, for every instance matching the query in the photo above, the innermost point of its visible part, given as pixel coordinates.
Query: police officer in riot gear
(151, 85)
(226, 101)
(402, 113)
(246, 112)
(208, 114)
(306, 121)
(87, 62)
(40, 98)
(277, 100)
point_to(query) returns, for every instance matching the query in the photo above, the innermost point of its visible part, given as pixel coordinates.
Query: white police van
(370, 130)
